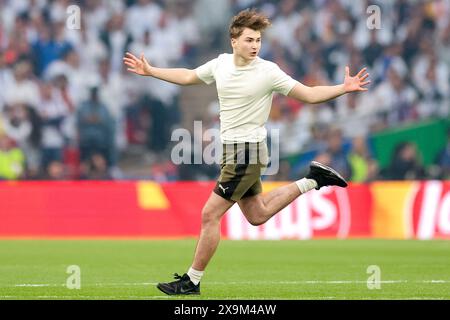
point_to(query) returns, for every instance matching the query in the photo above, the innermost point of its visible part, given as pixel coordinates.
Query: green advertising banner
(430, 138)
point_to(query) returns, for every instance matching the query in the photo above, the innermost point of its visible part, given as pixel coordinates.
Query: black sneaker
(325, 176)
(183, 285)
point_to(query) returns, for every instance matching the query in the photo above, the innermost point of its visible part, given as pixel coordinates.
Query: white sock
(195, 275)
(306, 185)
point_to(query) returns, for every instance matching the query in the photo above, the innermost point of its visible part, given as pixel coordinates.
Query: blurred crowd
(70, 110)
(68, 107)
(408, 59)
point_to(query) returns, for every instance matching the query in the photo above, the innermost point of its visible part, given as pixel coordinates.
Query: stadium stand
(69, 110)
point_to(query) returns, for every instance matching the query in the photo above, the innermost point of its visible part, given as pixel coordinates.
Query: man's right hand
(136, 65)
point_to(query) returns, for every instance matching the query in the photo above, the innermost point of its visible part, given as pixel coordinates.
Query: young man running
(245, 86)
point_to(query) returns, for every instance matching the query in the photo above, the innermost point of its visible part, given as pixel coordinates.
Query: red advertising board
(151, 210)
(430, 211)
(329, 212)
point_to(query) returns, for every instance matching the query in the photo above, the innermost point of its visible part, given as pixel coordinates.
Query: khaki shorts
(241, 169)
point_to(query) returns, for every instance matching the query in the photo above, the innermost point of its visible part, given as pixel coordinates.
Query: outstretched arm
(321, 94)
(141, 67)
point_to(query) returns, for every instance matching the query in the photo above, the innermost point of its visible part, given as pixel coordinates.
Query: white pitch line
(36, 285)
(308, 282)
(221, 283)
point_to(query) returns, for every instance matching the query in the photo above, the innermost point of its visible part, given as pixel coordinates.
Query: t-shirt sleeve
(206, 72)
(282, 83)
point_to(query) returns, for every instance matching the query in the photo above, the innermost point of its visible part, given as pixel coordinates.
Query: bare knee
(257, 221)
(254, 211)
(209, 217)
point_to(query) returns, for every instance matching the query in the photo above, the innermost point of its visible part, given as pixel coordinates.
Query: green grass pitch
(317, 269)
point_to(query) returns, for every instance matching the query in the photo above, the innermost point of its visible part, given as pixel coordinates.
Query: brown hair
(248, 19)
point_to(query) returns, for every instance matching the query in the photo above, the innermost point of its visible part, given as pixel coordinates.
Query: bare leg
(209, 238)
(260, 208)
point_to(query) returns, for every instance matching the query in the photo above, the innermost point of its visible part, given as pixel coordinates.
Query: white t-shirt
(245, 95)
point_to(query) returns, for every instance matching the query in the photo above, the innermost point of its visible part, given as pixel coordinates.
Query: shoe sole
(176, 294)
(324, 167)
